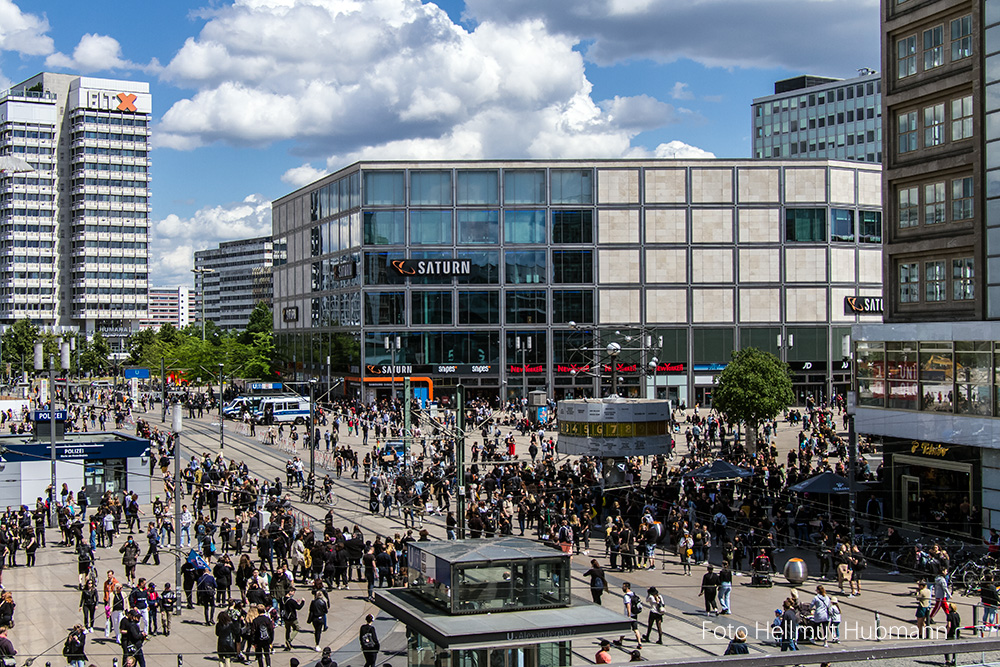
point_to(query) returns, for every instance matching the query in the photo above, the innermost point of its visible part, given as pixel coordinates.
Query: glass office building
(507, 275)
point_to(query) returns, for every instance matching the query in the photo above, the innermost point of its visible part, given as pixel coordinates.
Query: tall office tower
(819, 117)
(75, 226)
(233, 278)
(927, 380)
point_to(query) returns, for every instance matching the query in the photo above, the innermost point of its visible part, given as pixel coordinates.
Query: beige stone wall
(842, 186)
(760, 265)
(619, 306)
(618, 226)
(758, 186)
(870, 265)
(712, 265)
(666, 306)
(712, 305)
(666, 186)
(711, 186)
(760, 305)
(805, 304)
(666, 225)
(712, 225)
(870, 188)
(618, 266)
(666, 265)
(617, 186)
(805, 185)
(842, 265)
(805, 265)
(758, 225)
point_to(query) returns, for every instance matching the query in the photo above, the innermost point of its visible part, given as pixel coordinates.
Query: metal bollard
(180, 660)
(878, 625)
(975, 620)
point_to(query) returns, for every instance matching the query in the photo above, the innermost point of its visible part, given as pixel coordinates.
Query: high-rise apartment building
(820, 117)
(170, 305)
(233, 278)
(927, 380)
(74, 230)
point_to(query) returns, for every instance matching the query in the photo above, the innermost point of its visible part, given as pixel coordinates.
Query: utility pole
(178, 424)
(406, 425)
(163, 391)
(40, 365)
(222, 420)
(852, 444)
(523, 349)
(460, 458)
(310, 427)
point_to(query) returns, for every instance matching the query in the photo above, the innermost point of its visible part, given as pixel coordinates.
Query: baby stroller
(761, 571)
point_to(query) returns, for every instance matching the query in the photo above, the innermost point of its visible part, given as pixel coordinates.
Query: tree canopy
(754, 387)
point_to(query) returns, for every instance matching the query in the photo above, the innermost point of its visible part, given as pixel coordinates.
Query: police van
(273, 409)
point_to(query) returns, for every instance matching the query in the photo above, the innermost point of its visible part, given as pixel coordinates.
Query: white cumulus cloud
(175, 239)
(93, 53)
(681, 151)
(680, 91)
(23, 33)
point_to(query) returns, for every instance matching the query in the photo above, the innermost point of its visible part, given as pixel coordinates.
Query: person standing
(88, 605)
(821, 613)
(990, 600)
(789, 626)
(6, 647)
(318, 609)
(709, 590)
(656, 611)
(725, 588)
(167, 604)
(130, 554)
(73, 649)
(206, 596)
(954, 625)
(598, 581)
(133, 638)
(117, 612)
(603, 656)
(262, 636)
(368, 639)
(226, 633)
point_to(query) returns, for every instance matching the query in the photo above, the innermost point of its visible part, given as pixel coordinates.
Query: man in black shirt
(709, 589)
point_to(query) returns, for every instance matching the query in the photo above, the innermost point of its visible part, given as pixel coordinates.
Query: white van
(282, 409)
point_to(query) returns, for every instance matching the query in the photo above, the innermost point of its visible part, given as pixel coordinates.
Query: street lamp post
(201, 273)
(523, 349)
(392, 345)
(222, 420)
(40, 365)
(310, 427)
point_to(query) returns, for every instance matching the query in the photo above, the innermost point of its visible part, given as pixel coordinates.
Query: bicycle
(331, 498)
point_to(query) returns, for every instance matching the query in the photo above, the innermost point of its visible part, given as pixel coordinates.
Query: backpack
(368, 642)
(635, 605)
(263, 632)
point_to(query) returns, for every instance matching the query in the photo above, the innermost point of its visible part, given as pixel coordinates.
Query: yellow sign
(928, 449)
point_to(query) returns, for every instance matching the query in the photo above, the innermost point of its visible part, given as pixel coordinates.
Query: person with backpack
(368, 639)
(954, 628)
(632, 605)
(206, 595)
(262, 636)
(290, 615)
(227, 632)
(598, 582)
(73, 649)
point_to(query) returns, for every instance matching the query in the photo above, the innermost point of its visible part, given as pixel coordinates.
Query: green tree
(94, 358)
(138, 343)
(19, 345)
(754, 387)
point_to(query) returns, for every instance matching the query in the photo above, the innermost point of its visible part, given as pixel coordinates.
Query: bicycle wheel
(332, 498)
(971, 578)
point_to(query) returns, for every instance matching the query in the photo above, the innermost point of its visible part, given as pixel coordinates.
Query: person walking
(262, 636)
(73, 649)
(656, 611)
(88, 605)
(821, 613)
(318, 609)
(990, 601)
(954, 629)
(789, 626)
(598, 581)
(206, 595)
(153, 538)
(117, 612)
(290, 615)
(632, 606)
(167, 604)
(130, 554)
(942, 593)
(725, 588)
(603, 656)
(368, 639)
(709, 589)
(227, 633)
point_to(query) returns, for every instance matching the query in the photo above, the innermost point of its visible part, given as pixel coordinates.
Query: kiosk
(501, 602)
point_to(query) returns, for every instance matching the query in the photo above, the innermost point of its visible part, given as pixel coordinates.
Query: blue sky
(253, 98)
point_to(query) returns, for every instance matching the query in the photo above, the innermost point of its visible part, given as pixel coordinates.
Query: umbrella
(825, 482)
(719, 471)
(14, 165)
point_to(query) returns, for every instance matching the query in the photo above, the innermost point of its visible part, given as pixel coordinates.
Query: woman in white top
(820, 606)
(656, 608)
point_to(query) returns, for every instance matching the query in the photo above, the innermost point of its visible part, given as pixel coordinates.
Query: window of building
(906, 57)
(572, 266)
(572, 186)
(961, 118)
(961, 38)
(524, 186)
(478, 226)
(384, 188)
(524, 226)
(485, 267)
(963, 279)
(933, 49)
(909, 207)
(524, 267)
(934, 125)
(909, 283)
(907, 122)
(385, 227)
(477, 188)
(430, 188)
(573, 226)
(526, 307)
(572, 306)
(427, 227)
(841, 225)
(962, 198)
(870, 226)
(934, 203)
(431, 307)
(384, 308)
(479, 307)
(805, 225)
(935, 281)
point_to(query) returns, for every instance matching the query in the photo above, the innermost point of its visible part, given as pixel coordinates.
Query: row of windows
(809, 225)
(928, 204)
(522, 267)
(108, 136)
(831, 120)
(848, 92)
(94, 259)
(32, 275)
(26, 243)
(117, 245)
(7, 226)
(33, 180)
(479, 188)
(109, 275)
(478, 227)
(479, 307)
(108, 183)
(113, 199)
(113, 119)
(124, 291)
(100, 214)
(935, 124)
(935, 280)
(933, 49)
(31, 150)
(114, 152)
(26, 196)
(112, 229)
(27, 134)
(27, 212)
(107, 166)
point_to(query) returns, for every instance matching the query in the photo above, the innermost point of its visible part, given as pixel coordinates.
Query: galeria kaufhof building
(506, 274)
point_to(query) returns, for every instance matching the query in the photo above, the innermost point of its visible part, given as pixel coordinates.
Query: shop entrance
(934, 494)
(101, 476)
(703, 396)
(911, 498)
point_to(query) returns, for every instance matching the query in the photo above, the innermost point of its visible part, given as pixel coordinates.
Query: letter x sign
(126, 102)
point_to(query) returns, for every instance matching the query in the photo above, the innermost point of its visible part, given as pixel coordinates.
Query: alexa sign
(432, 267)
